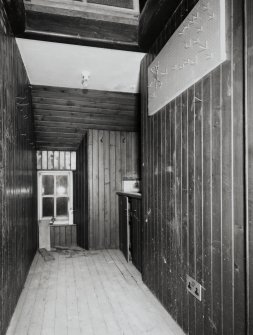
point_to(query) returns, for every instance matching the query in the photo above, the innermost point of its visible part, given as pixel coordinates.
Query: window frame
(62, 220)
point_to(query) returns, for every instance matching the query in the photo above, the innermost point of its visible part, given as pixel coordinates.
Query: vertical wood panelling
(18, 223)
(136, 233)
(238, 189)
(81, 194)
(207, 203)
(185, 212)
(249, 158)
(124, 242)
(107, 193)
(114, 231)
(118, 174)
(110, 159)
(199, 229)
(94, 217)
(101, 191)
(63, 235)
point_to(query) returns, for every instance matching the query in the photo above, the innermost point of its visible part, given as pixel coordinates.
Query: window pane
(62, 206)
(47, 207)
(62, 185)
(47, 185)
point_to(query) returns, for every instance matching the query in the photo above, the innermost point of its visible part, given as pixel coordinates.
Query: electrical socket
(194, 287)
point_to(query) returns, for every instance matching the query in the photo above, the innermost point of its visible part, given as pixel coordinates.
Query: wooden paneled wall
(249, 157)
(63, 235)
(111, 157)
(18, 221)
(193, 190)
(81, 194)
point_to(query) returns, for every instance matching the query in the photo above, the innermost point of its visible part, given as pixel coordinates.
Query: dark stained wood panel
(63, 235)
(80, 185)
(193, 191)
(128, 4)
(81, 28)
(18, 213)
(136, 232)
(249, 159)
(70, 27)
(62, 116)
(124, 226)
(112, 156)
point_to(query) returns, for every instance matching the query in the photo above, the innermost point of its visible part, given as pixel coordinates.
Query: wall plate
(194, 287)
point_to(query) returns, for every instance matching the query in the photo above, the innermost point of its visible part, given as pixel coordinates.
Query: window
(55, 196)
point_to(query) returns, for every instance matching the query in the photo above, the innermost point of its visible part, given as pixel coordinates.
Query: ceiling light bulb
(85, 77)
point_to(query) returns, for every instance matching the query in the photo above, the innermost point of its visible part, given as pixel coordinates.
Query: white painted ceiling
(61, 65)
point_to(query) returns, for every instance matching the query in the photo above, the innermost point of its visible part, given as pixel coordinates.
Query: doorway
(55, 209)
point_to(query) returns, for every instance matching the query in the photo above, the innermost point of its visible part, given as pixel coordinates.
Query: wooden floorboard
(94, 294)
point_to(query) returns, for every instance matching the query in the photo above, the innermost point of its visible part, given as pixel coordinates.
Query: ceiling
(63, 115)
(83, 86)
(61, 65)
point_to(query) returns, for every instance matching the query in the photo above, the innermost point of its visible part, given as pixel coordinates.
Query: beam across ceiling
(80, 31)
(81, 24)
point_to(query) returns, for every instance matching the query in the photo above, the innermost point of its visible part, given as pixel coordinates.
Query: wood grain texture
(80, 185)
(71, 27)
(63, 235)
(62, 116)
(204, 212)
(124, 226)
(116, 3)
(18, 214)
(249, 159)
(136, 232)
(110, 160)
(81, 28)
(93, 294)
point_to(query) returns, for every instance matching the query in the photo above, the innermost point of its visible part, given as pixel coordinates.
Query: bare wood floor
(95, 294)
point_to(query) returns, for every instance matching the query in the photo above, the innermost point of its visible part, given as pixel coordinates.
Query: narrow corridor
(94, 294)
